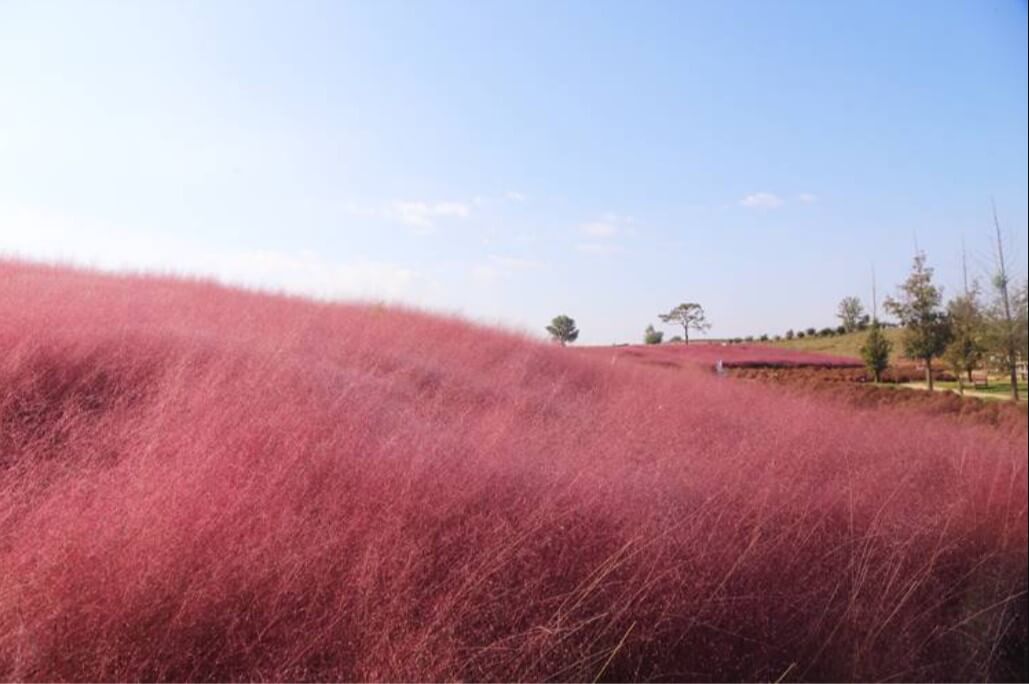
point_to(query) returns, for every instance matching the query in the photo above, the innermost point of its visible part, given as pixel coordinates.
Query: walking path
(968, 392)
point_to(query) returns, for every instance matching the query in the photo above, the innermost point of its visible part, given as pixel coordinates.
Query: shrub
(651, 336)
(876, 353)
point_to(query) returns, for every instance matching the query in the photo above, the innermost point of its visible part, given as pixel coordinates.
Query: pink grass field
(201, 483)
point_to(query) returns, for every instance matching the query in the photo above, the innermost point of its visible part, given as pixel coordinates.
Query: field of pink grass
(200, 483)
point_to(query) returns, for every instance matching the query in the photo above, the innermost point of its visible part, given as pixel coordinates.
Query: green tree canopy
(562, 329)
(968, 334)
(876, 352)
(651, 336)
(850, 312)
(690, 316)
(917, 306)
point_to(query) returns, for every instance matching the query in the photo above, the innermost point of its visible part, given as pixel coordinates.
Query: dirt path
(968, 392)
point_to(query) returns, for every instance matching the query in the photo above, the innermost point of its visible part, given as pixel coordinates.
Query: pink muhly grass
(200, 483)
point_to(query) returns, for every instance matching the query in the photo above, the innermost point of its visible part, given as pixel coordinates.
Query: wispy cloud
(762, 200)
(495, 267)
(515, 196)
(607, 226)
(807, 198)
(425, 214)
(516, 263)
(307, 272)
(604, 234)
(599, 229)
(598, 248)
(51, 236)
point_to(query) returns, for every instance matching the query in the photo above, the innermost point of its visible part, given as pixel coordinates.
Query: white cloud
(495, 267)
(424, 214)
(306, 272)
(807, 197)
(599, 229)
(607, 226)
(597, 248)
(515, 196)
(762, 200)
(516, 263)
(51, 236)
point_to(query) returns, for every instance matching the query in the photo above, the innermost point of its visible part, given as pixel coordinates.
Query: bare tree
(690, 316)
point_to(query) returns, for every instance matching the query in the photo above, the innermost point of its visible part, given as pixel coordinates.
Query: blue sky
(515, 160)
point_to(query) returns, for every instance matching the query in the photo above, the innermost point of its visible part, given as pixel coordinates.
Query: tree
(651, 336)
(789, 334)
(917, 306)
(690, 316)
(562, 329)
(876, 351)
(966, 349)
(850, 311)
(1020, 305)
(1005, 319)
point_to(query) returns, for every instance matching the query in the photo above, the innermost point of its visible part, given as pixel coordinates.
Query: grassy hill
(200, 483)
(842, 345)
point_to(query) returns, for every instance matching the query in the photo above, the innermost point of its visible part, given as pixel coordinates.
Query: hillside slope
(844, 345)
(200, 483)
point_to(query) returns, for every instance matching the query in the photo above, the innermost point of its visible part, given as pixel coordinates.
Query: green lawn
(842, 345)
(999, 388)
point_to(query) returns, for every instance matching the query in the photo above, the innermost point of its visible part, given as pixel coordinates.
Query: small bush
(651, 336)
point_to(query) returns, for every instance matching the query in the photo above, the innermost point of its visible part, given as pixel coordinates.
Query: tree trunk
(685, 333)
(1014, 380)
(929, 372)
